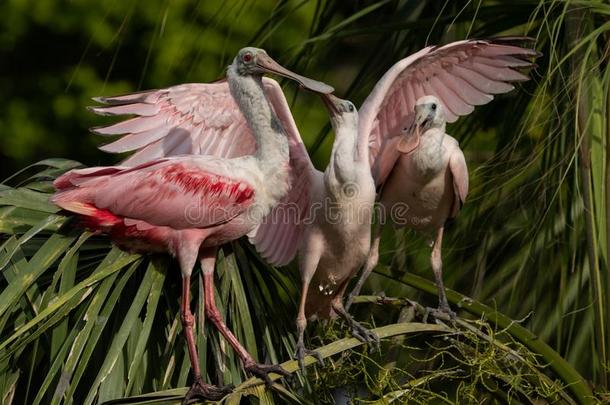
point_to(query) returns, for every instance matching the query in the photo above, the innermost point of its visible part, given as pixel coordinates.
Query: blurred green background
(531, 240)
(56, 55)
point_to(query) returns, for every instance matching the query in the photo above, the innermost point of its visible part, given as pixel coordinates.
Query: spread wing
(195, 119)
(203, 119)
(461, 75)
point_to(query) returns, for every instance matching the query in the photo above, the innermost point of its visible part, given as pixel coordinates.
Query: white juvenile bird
(336, 239)
(425, 187)
(460, 75)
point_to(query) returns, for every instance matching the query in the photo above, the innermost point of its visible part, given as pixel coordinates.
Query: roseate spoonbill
(459, 76)
(431, 181)
(189, 205)
(337, 236)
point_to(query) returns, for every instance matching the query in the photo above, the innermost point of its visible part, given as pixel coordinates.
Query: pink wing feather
(196, 118)
(459, 172)
(203, 119)
(461, 75)
(181, 192)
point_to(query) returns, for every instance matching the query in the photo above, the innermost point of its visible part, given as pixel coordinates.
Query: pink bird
(420, 171)
(189, 205)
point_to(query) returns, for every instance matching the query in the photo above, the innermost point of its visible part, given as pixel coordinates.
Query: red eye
(247, 57)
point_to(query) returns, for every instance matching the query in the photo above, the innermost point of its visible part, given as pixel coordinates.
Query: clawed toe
(317, 355)
(444, 312)
(358, 331)
(302, 351)
(262, 371)
(202, 391)
(452, 315)
(364, 335)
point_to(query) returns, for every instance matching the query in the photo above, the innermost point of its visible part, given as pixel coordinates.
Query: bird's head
(255, 62)
(343, 113)
(429, 113)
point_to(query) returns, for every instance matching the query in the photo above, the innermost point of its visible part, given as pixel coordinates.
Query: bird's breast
(415, 196)
(429, 160)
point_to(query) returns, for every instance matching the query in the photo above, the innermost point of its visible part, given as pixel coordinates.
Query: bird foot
(202, 391)
(302, 351)
(443, 312)
(363, 334)
(262, 371)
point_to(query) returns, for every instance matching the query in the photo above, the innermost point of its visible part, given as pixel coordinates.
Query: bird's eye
(247, 57)
(433, 106)
(351, 107)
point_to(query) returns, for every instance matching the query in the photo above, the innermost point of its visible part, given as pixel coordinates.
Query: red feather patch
(195, 181)
(128, 238)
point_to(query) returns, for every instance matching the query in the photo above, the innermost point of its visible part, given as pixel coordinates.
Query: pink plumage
(203, 119)
(161, 192)
(211, 161)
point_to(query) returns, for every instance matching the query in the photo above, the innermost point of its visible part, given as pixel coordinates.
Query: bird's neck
(345, 165)
(362, 145)
(428, 157)
(272, 144)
